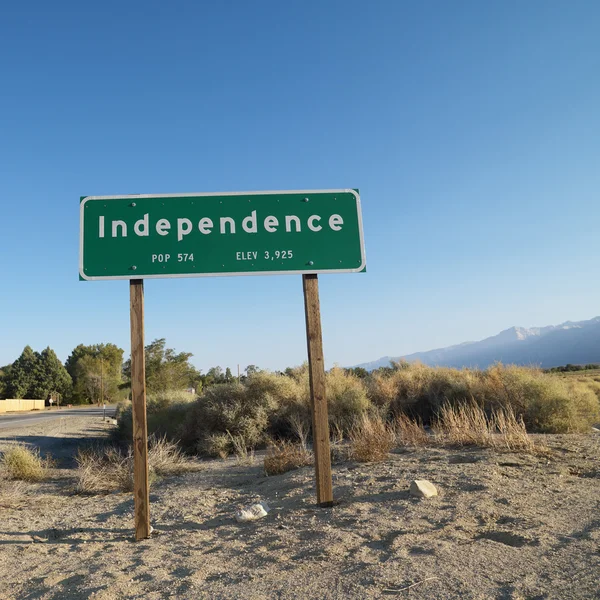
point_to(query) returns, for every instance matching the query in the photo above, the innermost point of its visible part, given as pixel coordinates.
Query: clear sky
(471, 128)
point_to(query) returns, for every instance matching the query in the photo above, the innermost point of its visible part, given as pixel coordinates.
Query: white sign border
(212, 194)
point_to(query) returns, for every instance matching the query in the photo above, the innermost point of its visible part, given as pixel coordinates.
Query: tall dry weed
(107, 468)
(283, 456)
(410, 432)
(371, 440)
(469, 425)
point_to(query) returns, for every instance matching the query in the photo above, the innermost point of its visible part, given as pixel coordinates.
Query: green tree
(90, 379)
(51, 377)
(22, 374)
(166, 369)
(35, 375)
(4, 374)
(213, 376)
(95, 368)
(359, 372)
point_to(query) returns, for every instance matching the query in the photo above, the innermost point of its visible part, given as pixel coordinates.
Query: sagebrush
(371, 440)
(239, 417)
(285, 456)
(106, 468)
(24, 463)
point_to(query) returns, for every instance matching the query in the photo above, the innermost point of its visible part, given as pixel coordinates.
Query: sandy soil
(504, 526)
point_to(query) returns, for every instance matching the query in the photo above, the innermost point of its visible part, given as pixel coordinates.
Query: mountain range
(551, 346)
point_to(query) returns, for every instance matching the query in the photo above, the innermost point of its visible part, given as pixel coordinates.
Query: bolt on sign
(194, 235)
(199, 235)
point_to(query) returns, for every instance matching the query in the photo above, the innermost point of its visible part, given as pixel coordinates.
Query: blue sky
(471, 128)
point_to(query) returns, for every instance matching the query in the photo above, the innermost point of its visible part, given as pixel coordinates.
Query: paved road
(24, 419)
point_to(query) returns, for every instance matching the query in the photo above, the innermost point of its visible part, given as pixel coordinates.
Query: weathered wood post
(316, 367)
(141, 488)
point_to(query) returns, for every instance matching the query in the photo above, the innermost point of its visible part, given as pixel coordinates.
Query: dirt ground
(510, 526)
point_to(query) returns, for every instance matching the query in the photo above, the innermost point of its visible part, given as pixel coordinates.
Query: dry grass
(243, 455)
(463, 425)
(12, 494)
(107, 469)
(300, 428)
(23, 463)
(547, 403)
(284, 456)
(511, 433)
(371, 440)
(103, 470)
(469, 425)
(165, 458)
(410, 432)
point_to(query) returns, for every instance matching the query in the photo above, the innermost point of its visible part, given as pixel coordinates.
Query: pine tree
(51, 377)
(22, 374)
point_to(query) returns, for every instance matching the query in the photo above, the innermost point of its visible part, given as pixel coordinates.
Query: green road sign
(196, 235)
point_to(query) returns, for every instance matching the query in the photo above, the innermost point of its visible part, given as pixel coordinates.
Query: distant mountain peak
(576, 342)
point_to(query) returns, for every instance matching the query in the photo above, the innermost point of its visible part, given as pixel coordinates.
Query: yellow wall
(20, 404)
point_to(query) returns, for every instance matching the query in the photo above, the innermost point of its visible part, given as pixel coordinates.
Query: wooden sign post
(316, 368)
(141, 487)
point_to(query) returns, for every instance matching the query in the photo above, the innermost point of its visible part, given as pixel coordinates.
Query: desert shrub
(300, 428)
(107, 468)
(285, 390)
(217, 445)
(371, 440)
(23, 463)
(511, 433)
(418, 390)
(346, 399)
(569, 410)
(233, 418)
(592, 384)
(166, 413)
(410, 432)
(243, 454)
(291, 398)
(165, 458)
(547, 404)
(122, 406)
(283, 456)
(382, 389)
(103, 469)
(346, 395)
(227, 409)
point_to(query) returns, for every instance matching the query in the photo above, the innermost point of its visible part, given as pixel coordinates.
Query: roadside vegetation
(369, 414)
(24, 464)
(107, 467)
(218, 415)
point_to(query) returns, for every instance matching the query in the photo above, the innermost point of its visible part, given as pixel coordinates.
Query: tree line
(569, 368)
(97, 373)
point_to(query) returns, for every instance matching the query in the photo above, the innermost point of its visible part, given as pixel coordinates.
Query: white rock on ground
(252, 513)
(421, 488)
